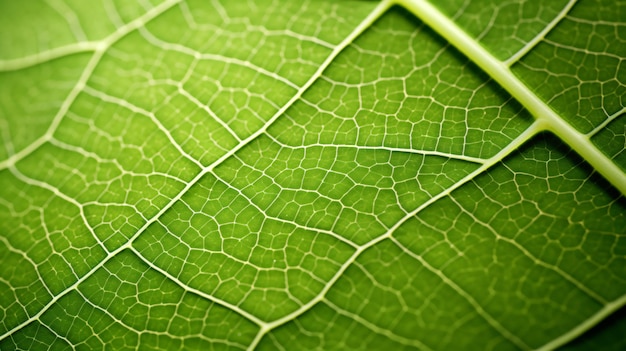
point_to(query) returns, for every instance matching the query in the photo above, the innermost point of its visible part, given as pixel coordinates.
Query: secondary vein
(500, 72)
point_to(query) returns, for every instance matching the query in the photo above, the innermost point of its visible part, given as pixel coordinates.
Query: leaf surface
(326, 175)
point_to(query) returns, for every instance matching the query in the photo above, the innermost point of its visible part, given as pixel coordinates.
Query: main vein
(500, 72)
(546, 119)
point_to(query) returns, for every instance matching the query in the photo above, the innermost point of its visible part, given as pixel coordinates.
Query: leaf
(325, 175)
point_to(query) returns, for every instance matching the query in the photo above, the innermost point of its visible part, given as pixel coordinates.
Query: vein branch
(590, 322)
(195, 291)
(49, 55)
(501, 73)
(541, 35)
(99, 49)
(606, 122)
(378, 11)
(515, 144)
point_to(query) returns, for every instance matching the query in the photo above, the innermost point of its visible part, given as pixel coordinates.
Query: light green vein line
(26, 258)
(125, 104)
(10, 162)
(152, 39)
(606, 122)
(81, 208)
(278, 219)
(46, 56)
(355, 146)
(514, 145)
(546, 118)
(366, 23)
(539, 262)
(146, 331)
(466, 296)
(539, 37)
(376, 329)
(499, 71)
(109, 256)
(590, 322)
(100, 49)
(197, 292)
(382, 7)
(65, 11)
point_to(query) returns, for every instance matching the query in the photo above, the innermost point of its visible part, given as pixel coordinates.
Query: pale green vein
(566, 276)
(69, 344)
(507, 334)
(33, 182)
(147, 331)
(278, 219)
(114, 162)
(109, 256)
(499, 71)
(70, 17)
(123, 103)
(376, 329)
(382, 7)
(266, 32)
(206, 108)
(48, 55)
(604, 123)
(447, 155)
(100, 49)
(541, 35)
(590, 322)
(378, 11)
(26, 258)
(213, 57)
(584, 51)
(197, 292)
(514, 145)
(546, 117)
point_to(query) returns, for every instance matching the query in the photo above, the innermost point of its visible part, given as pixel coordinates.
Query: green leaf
(186, 174)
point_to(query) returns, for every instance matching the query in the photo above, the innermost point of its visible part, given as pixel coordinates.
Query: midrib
(499, 71)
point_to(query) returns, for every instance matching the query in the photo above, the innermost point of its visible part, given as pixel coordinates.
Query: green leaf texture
(317, 175)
